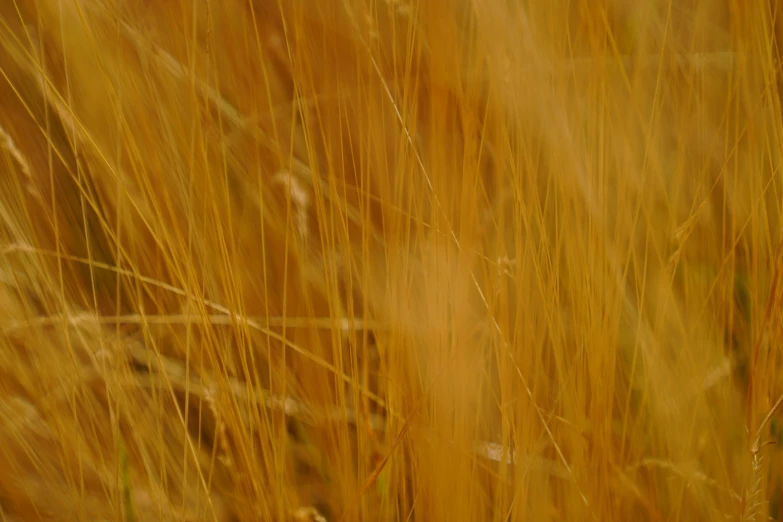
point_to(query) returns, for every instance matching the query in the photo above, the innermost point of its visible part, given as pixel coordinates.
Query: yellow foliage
(390, 260)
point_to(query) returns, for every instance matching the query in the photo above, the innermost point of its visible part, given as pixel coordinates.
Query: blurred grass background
(390, 260)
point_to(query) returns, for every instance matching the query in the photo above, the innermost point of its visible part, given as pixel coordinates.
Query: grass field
(431, 260)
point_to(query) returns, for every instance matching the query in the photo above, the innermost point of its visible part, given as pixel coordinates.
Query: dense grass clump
(390, 260)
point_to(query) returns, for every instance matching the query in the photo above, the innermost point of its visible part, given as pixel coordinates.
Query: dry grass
(390, 260)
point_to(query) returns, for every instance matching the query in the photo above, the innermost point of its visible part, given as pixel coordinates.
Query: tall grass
(390, 260)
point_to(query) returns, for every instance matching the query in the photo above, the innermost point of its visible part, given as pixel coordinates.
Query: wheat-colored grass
(390, 260)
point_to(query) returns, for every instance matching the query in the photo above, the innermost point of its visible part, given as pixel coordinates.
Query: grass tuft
(390, 260)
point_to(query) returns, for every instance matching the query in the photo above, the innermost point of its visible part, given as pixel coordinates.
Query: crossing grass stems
(390, 260)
